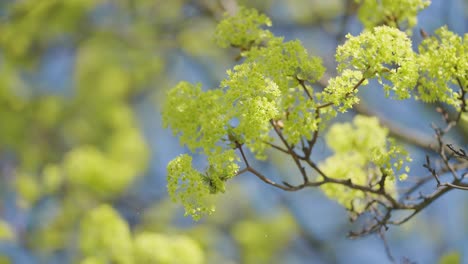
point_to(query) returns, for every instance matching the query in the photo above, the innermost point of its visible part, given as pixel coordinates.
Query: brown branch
(324, 105)
(312, 142)
(268, 181)
(420, 206)
(389, 207)
(462, 99)
(441, 149)
(302, 83)
(239, 146)
(405, 134)
(379, 203)
(461, 186)
(291, 152)
(277, 147)
(386, 246)
(460, 153)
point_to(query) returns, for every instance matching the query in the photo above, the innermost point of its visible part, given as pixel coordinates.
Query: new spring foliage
(274, 85)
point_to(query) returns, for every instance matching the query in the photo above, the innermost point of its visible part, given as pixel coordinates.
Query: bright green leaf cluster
(195, 116)
(443, 62)
(243, 30)
(363, 154)
(384, 53)
(287, 65)
(191, 188)
(272, 84)
(341, 91)
(252, 99)
(395, 13)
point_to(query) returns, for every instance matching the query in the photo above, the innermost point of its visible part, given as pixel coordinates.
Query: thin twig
(291, 152)
(386, 246)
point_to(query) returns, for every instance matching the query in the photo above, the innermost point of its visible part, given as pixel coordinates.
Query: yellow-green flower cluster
(251, 100)
(243, 30)
(363, 154)
(443, 62)
(191, 187)
(287, 64)
(384, 53)
(395, 13)
(187, 186)
(341, 90)
(196, 116)
(270, 85)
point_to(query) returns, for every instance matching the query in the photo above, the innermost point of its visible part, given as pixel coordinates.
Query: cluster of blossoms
(272, 89)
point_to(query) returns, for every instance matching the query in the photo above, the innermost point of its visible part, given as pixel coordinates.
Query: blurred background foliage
(83, 155)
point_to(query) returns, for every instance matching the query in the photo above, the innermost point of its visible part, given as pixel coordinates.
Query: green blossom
(443, 62)
(272, 84)
(363, 154)
(288, 64)
(345, 166)
(253, 101)
(341, 90)
(243, 29)
(186, 185)
(196, 116)
(384, 53)
(394, 13)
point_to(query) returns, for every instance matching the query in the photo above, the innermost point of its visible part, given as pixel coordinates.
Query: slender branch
(439, 134)
(420, 206)
(277, 147)
(456, 186)
(357, 85)
(347, 94)
(405, 134)
(268, 181)
(312, 142)
(324, 105)
(462, 99)
(302, 83)
(239, 146)
(386, 246)
(350, 184)
(460, 153)
(378, 201)
(428, 166)
(291, 152)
